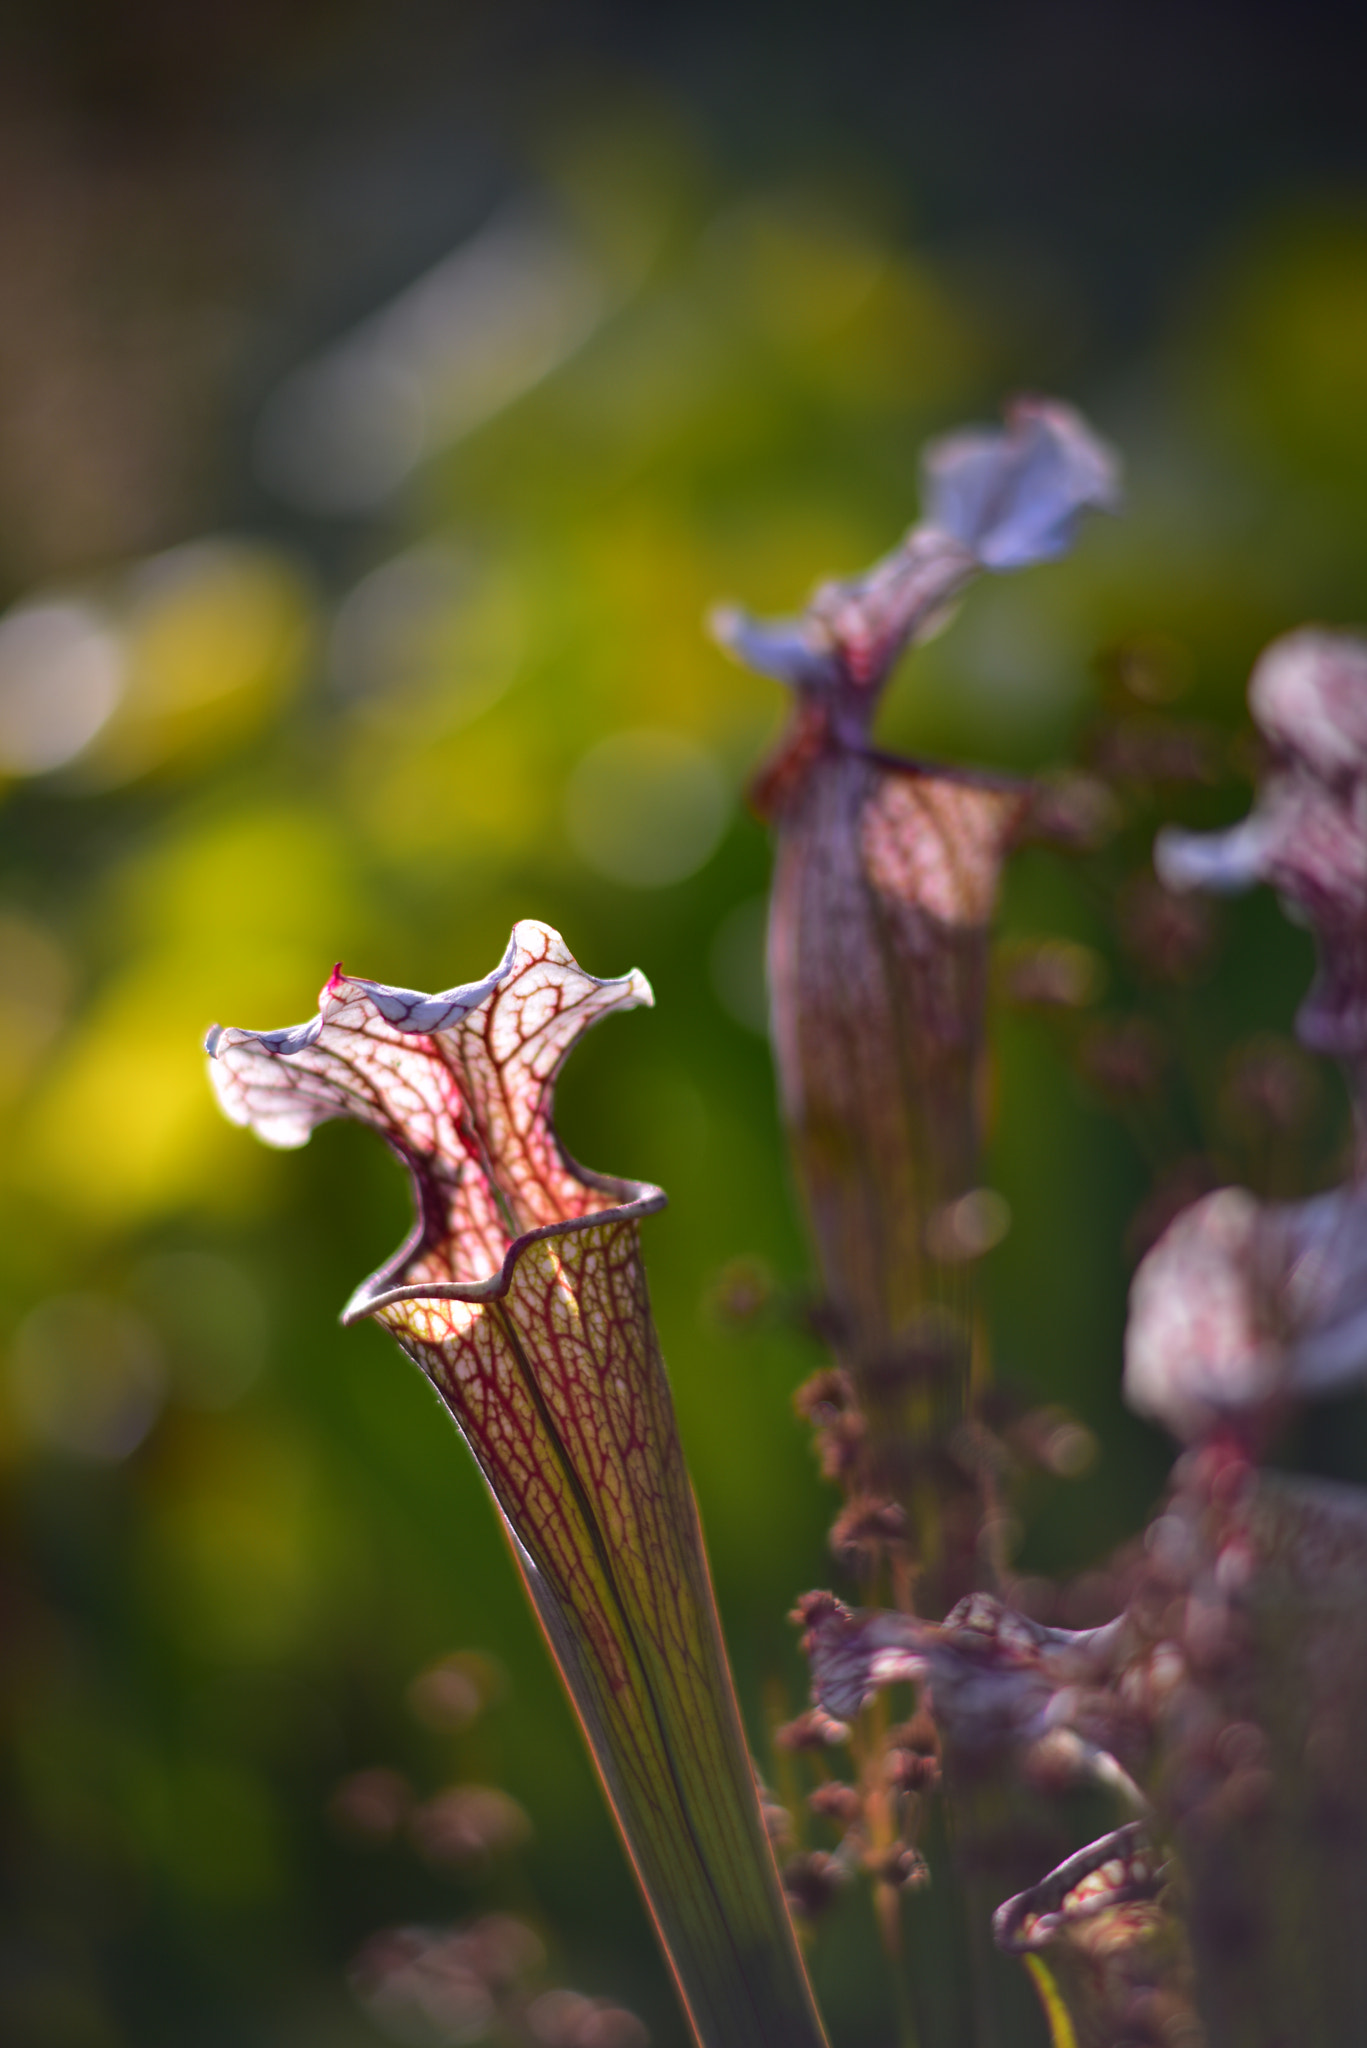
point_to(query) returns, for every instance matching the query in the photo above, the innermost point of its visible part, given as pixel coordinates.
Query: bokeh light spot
(86, 1377)
(428, 640)
(450, 1694)
(646, 808)
(217, 634)
(61, 672)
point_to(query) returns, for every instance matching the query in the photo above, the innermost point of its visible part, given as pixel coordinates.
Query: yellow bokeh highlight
(216, 635)
(480, 796)
(246, 915)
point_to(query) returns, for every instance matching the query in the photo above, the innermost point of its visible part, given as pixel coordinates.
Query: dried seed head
(451, 1693)
(815, 1607)
(811, 1882)
(1170, 937)
(1052, 974)
(907, 1770)
(919, 1734)
(371, 1806)
(815, 1730)
(778, 1822)
(837, 1802)
(566, 2019)
(468, 1825)
(839, 1447)
(824, 1396)
(1056, 1441)
(865, 1531)
(444, 1983)
(900, 1868)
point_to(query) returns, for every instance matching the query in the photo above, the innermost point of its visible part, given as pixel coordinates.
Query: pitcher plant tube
(521, 1294)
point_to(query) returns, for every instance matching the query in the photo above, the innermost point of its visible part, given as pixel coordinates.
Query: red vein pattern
(884, 886)
(885, 883)
(521, 1294)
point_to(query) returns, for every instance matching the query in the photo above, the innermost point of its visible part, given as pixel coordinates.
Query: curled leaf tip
(1013, 495)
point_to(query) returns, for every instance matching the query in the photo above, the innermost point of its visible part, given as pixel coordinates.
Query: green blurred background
(385, 393)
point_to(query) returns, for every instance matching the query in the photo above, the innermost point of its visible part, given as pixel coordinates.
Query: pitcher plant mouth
(372, 1296)
(521, 1294)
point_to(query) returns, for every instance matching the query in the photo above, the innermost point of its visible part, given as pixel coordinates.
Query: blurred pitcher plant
(884, 890)
(1162, 1815)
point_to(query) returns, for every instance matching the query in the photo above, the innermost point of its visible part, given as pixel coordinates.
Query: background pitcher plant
(885, 886)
